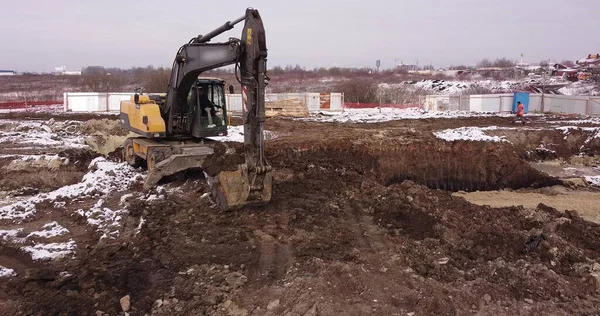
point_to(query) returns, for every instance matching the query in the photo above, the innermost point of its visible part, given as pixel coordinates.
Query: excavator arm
(251, 183)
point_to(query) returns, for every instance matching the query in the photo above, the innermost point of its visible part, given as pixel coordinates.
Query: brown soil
(356, 226)
(34, 178)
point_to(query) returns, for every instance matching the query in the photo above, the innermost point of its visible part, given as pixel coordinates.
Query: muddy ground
(364, 220)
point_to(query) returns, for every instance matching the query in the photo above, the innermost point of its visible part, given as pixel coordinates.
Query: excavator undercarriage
(175, 128)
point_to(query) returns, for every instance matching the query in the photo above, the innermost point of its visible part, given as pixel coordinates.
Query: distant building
(591, 61)
(62, 70)
(4, 72)
(409, 68)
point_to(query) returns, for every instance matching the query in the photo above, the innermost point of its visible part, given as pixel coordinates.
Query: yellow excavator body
(143, 117)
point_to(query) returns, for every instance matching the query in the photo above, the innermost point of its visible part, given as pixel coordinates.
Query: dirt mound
(103, 126)
(44, 172)
(58, 116)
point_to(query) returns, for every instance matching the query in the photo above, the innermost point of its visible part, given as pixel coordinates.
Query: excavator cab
(206, 111)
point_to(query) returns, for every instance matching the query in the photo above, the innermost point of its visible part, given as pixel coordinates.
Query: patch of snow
(59, 134)
(51, 229)
(592, 120)
(469, 133)
(139, 227)
(593, 180)
(580, 88)
(50, 251)
(236, 134)
(54, 109)
(105, 219)
(103, 178)
(6, 272)
(123, 200)
(374, 115)
(154, 197)
(10, 234)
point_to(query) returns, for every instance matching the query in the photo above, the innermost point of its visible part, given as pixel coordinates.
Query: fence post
(542, 106)
(588, 107)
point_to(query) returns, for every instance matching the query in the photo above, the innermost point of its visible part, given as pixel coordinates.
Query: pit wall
(110, 101)
(585, 105)
(452, 166)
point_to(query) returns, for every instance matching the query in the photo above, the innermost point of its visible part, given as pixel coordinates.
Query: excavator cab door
(207, 109)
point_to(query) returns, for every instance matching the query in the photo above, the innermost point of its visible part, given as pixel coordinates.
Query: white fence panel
(114, 100)
(337, 102)
(233, 103)
(313, 101)
(437, 102)
(594, 106)
(506, 102)
(110, 102)
(535, 103)
(85, 101)
(565, 104)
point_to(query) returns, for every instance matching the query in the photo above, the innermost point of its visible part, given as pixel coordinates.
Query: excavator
(175, 128)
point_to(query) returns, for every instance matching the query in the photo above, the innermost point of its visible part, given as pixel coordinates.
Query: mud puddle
(563, 170)
(585, 203)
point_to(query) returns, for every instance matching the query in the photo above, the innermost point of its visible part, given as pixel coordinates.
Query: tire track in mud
(273, 260)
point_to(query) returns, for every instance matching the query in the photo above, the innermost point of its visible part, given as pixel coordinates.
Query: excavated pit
(42, 173)
(451, 166)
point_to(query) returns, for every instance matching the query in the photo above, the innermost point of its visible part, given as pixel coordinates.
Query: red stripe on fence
(350, 105)
(27, 104)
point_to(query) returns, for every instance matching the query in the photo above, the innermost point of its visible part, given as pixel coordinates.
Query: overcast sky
(37, 35)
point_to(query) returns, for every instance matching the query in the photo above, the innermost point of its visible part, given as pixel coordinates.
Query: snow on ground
(374, 115)
(50, 251)
(39, 109)
(581, 88)
(469, 133)
(588, 120)
(593, 180)
(6, 272)
(42, 134)
(458, 87)
(40, 250)
(595, 131)
(107, 220)
(51, 229)
(236, 134)
(104, 177)
(9, 234)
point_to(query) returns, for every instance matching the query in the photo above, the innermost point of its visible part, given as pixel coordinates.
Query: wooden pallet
(288, 108)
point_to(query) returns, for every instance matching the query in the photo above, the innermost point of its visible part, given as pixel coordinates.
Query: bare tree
(157, 80)
(97, 82)
(484, 63)
(358, 90)
(503, 63)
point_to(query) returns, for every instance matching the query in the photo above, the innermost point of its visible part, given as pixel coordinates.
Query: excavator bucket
(235, 189)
